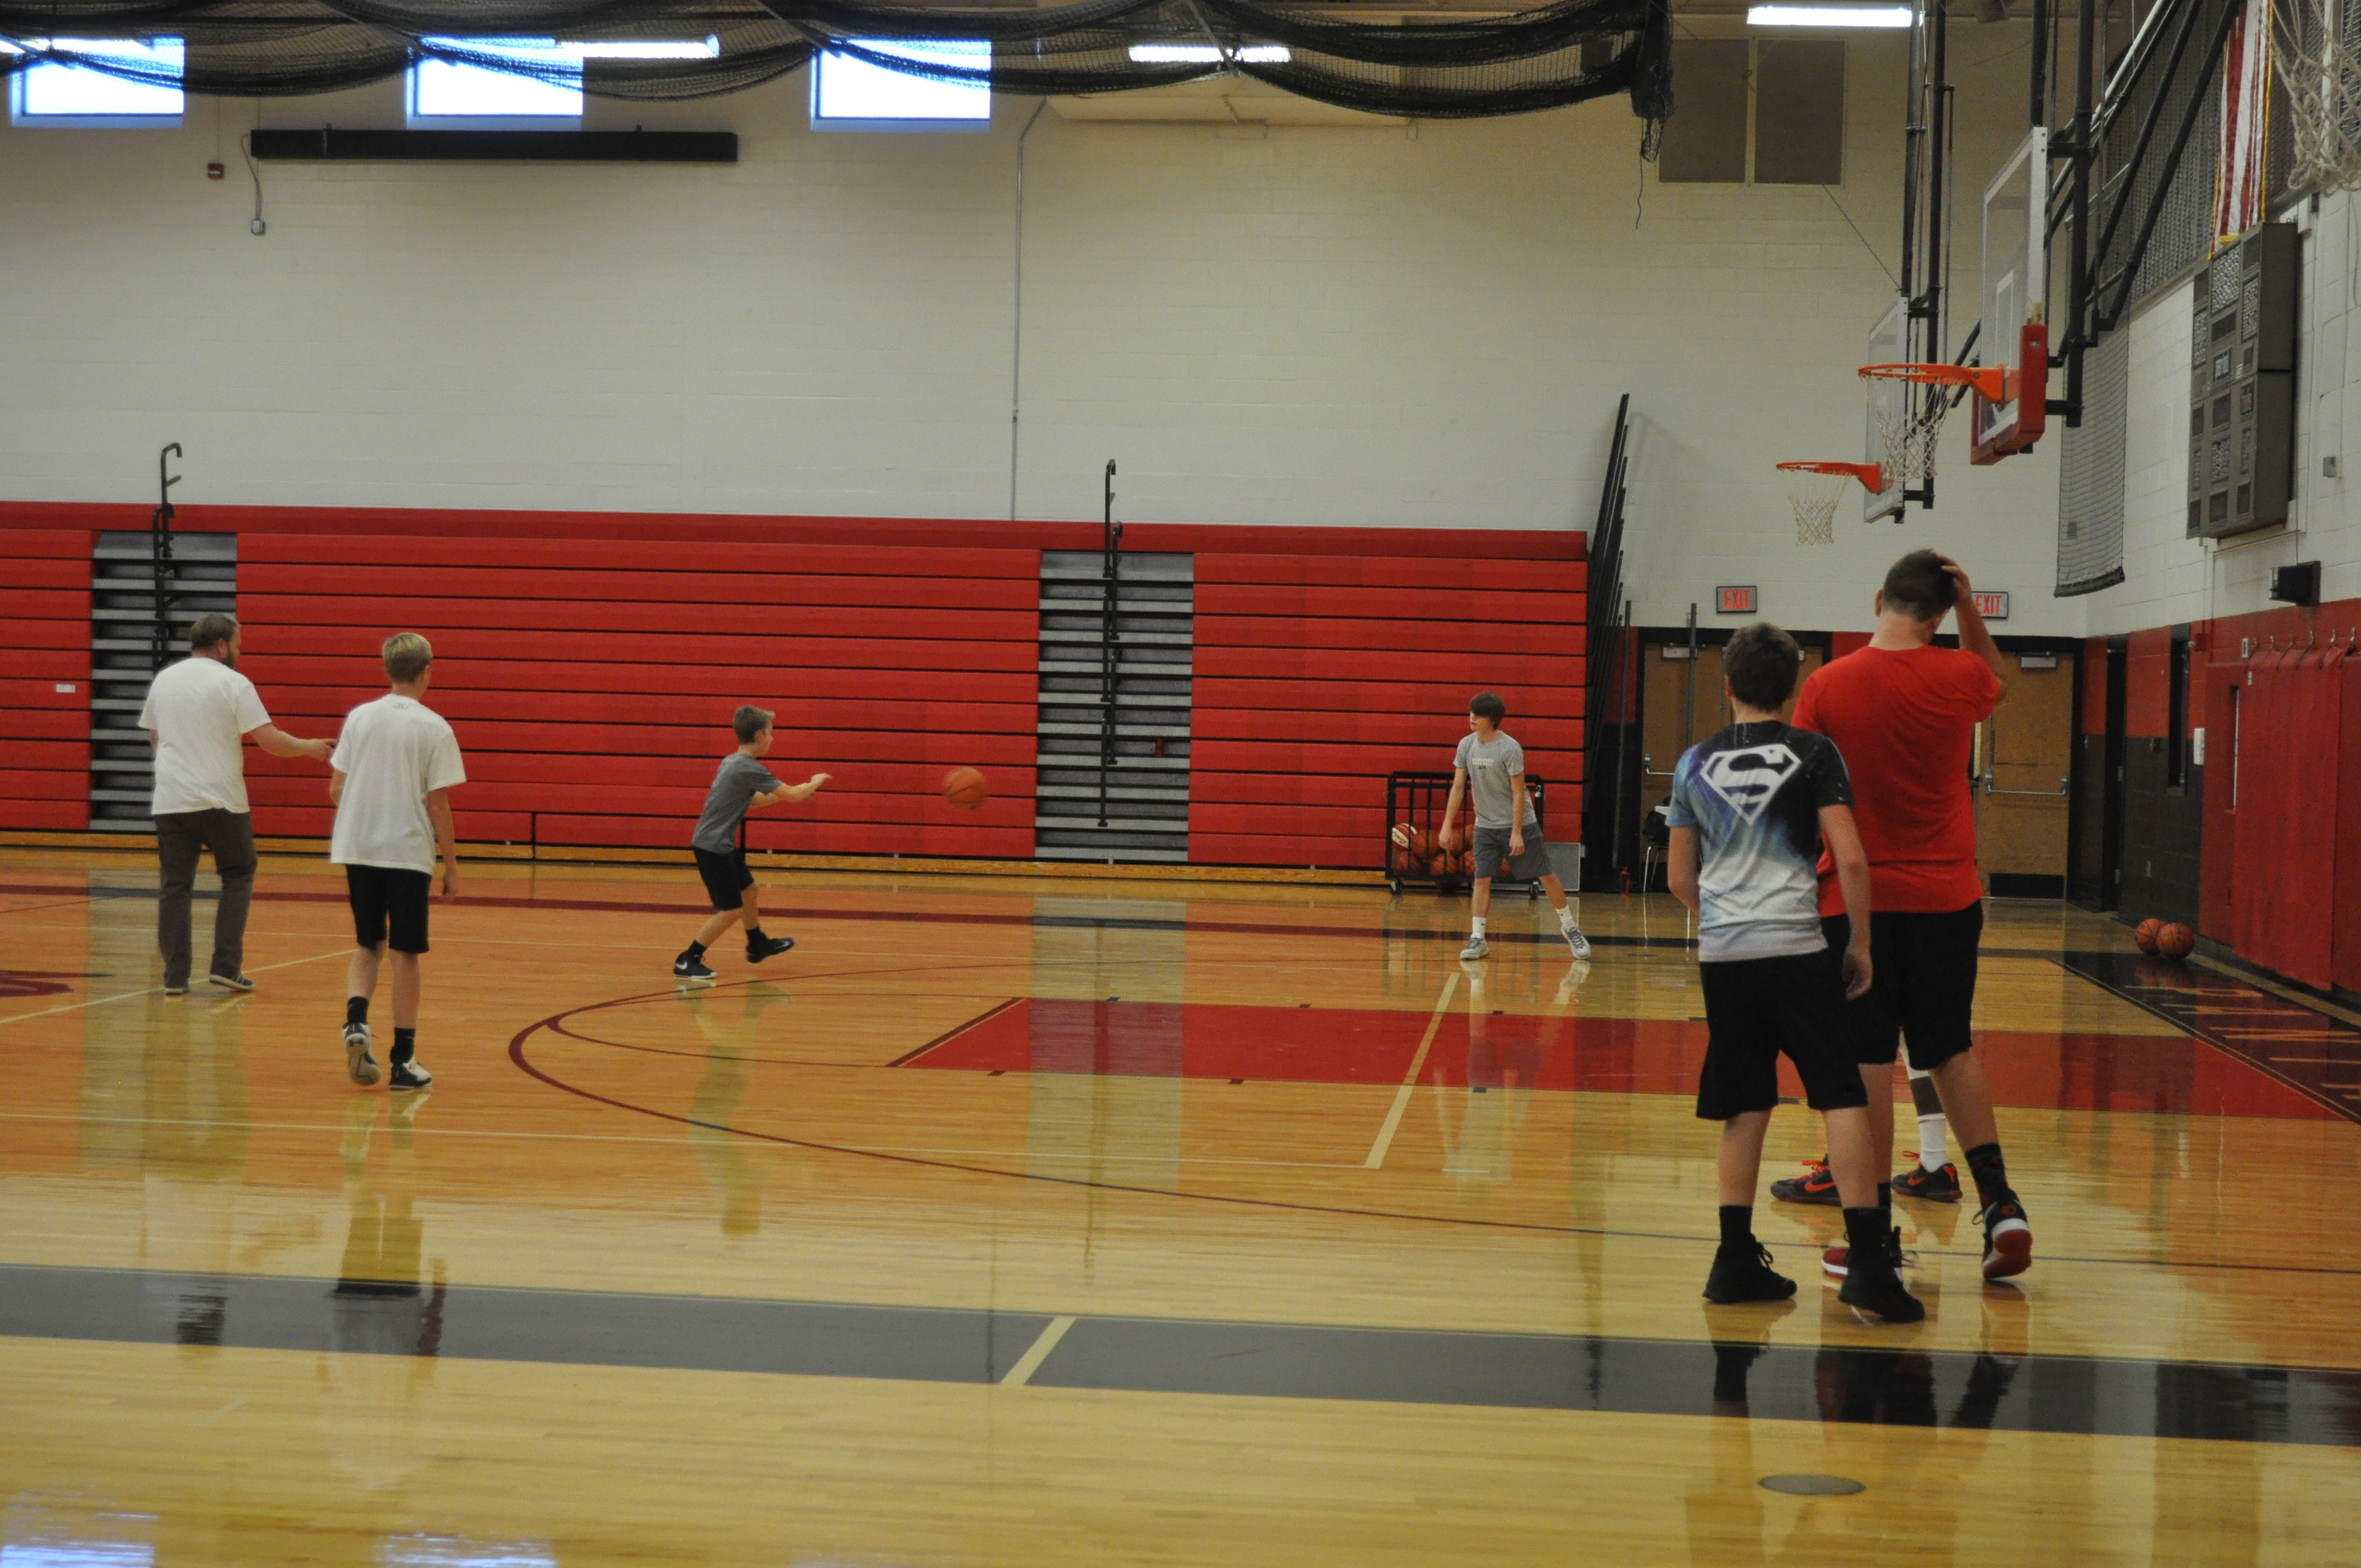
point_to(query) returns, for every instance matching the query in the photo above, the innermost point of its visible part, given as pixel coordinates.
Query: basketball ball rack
(1415, 801)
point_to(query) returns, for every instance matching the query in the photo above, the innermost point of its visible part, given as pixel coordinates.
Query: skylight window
(464, 94)
(60, 94)
(850, 93)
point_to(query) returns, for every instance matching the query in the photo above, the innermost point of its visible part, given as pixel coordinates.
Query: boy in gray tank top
(1490, 770)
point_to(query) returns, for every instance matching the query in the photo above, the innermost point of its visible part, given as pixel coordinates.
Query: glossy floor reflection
(1028, 1222)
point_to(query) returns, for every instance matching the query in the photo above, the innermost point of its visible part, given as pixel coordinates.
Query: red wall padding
(45, 644)
(2282, 884)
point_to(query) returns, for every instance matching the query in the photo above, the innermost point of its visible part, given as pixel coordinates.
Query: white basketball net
(1910, 426)
(2318, 66)
(1814, 496)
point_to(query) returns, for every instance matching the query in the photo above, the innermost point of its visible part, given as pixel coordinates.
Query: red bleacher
(589, 665)
(45, 644)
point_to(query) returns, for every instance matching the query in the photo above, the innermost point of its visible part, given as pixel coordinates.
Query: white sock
(1566, 916)
(1479, 926)
(1933, 1130)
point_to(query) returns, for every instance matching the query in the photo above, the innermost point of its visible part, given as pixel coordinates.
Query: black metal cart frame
(1417, 800)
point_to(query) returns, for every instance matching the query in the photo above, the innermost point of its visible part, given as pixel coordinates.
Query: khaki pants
(180, 835)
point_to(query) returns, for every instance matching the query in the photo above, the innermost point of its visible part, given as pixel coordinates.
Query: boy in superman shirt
(1750, 809)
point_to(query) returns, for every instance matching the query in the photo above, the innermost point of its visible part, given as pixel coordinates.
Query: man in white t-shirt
(198, 714)
(396, 763)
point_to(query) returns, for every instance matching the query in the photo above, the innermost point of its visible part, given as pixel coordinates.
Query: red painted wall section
(589, 664)
(1843, 642)
(44, 678)
(2147, 683)
(2094, 685)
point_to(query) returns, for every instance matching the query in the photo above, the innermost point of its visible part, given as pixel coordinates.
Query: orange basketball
(2145, 936)
(2176, 941)
(966, 788)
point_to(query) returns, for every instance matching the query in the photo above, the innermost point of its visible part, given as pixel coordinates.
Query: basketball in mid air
(966, 788)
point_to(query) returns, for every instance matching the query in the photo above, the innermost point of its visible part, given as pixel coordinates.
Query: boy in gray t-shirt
(1489, 769)
(741, 783)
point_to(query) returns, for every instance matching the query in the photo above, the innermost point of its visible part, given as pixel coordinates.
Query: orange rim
(1990, 381)
(1872, 477)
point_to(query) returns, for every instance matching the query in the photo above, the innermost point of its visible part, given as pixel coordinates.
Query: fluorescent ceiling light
(709, 49)
(1829, 16)
(1206, 54)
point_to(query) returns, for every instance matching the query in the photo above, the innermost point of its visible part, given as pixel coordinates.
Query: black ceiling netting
(1430, 67)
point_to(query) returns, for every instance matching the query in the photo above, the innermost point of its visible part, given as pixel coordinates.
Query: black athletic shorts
(1758, 1008)
(726, 878)
(1923, 985)
(389, 906)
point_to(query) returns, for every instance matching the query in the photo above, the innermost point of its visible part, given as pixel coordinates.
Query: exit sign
(1993, 607)
(1738, 600)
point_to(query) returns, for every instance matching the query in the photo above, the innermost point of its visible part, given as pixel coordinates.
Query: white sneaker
(1576, 940)
(1477, 947)
(358, 1062)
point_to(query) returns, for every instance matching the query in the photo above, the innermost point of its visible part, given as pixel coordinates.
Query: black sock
(1992, 1175)
(1738, 1225)
(1865, 1233)
(696, 951)
(755, 938)
(356, 1010)
(405, 1044)
(1885, 1204)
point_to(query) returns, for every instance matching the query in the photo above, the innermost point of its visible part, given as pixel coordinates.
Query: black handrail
(160, 563)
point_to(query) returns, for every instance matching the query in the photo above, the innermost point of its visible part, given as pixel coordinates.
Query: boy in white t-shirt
(394, 767)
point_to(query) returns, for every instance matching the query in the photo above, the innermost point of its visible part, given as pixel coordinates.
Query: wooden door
(1673, 715)
(2024, 757)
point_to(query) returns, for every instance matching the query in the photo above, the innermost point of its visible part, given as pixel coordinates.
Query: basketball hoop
(1815, 487)
(1911, 426)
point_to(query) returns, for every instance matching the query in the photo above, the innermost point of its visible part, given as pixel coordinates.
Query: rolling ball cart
(1414, 803)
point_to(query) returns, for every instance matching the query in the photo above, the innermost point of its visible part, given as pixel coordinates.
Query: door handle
(2063, 786)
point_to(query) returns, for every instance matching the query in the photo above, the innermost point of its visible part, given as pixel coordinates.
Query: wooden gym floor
(1036, 1223)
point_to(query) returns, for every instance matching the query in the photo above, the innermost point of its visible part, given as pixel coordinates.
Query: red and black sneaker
(1816, 1184)
(1928, 1186)
(2008, 1238)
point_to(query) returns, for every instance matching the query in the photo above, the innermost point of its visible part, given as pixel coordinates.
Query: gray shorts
(1492, 858)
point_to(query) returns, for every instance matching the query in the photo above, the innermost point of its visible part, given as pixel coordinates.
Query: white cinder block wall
(2170, 578)
(1320, 327)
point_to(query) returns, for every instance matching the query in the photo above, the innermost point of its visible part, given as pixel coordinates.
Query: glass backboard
(2015, 298)
(1889, 343)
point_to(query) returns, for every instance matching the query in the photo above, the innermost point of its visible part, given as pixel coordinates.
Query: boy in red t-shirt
(1905, 712)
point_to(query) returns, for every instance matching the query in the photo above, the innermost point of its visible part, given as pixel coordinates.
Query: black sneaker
(408, 1075)
(1930, 1186)
(230, 982)
(768, 948)
(1818, 1185)
(2008, 1238)
(1741, 1274)
(1872, 1286)
(359, 1063)
(686, 968)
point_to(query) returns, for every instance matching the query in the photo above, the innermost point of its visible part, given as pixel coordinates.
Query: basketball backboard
(1889, 343)
(2016, 333)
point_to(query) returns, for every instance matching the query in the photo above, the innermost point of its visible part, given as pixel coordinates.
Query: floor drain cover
(1815, 1486)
